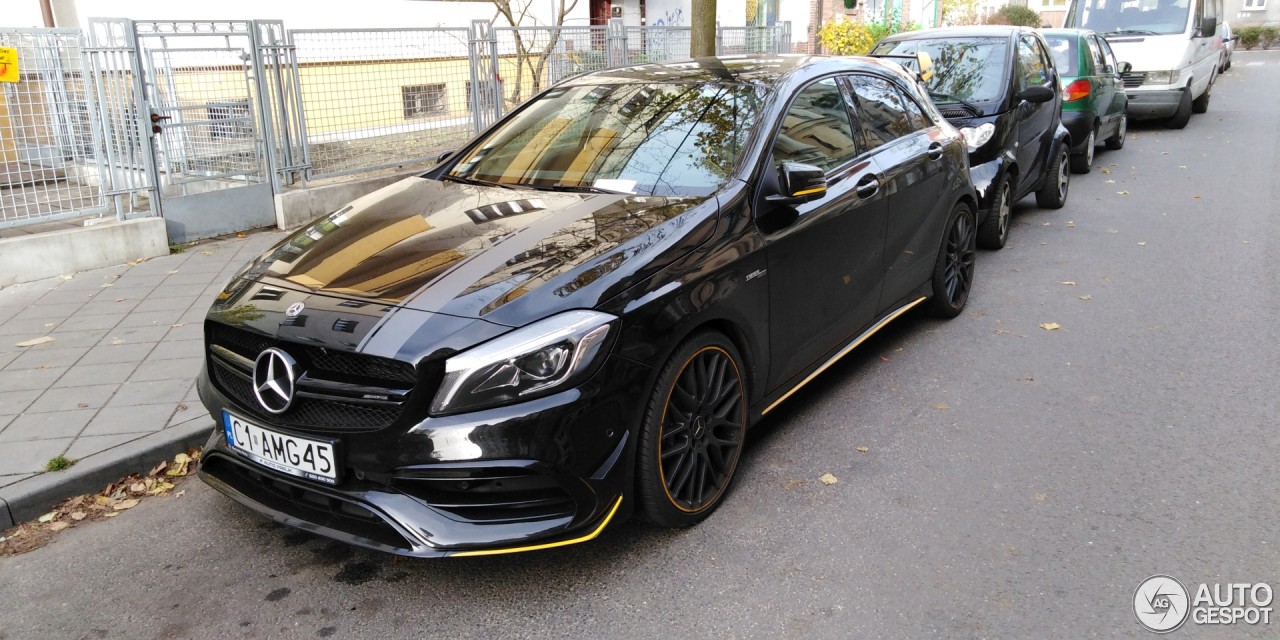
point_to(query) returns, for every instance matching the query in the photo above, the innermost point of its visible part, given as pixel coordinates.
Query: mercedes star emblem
(274, 379)
(294, 309)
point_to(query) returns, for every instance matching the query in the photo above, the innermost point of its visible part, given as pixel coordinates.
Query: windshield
(1130, 17)
(965, 69)
(654, 139)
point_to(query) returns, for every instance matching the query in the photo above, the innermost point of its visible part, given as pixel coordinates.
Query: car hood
(508, 256)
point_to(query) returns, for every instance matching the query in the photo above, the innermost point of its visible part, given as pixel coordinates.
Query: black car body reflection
(575, 317)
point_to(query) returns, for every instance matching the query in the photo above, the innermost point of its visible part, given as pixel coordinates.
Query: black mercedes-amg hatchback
(577, 316)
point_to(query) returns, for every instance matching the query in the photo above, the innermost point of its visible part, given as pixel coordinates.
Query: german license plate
(302, 457)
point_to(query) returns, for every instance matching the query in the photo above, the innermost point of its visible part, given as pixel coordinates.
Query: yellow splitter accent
(562, 543)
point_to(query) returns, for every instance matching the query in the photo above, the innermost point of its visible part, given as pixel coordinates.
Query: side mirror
(800, 183)
(1036, 94)
(1208, 25)
(444, 156)
(1125, 67)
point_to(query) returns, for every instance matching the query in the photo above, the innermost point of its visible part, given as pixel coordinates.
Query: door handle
(867, 187)
(935, 151)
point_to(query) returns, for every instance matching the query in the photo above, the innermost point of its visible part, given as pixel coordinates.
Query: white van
(1174, 47)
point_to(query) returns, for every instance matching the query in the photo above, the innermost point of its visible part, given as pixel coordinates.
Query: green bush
(1249, 37)
(1016, 15)
(1270, 37)
(848, 38)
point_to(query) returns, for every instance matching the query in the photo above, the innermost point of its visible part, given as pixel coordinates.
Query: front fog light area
(553, 353)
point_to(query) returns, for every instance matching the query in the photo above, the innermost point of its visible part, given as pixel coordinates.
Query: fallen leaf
(158, 468)
(48, 517)
(241, 234)
(941, 406)
(180, 463)
(119, 299)
(173, 272)
(827, 479)
(1069, 283)
(1142, 244)
(1196, 197)
(1245, 242)
(67, 277)
(138, 487)
(1104, 170)
(59, 526)
(82, 405)
(1071, 223)
(182, 406)
(1086, 297)
(1165, 153)
(789, 485)
(125, 504)
(108, 284)
(1050, 326)
(180, 324)
(1113, 231)
(111, 515)
(1040, 497)
(102, 501)
(206, 253)
(117, 341)
(863, 449)
(34, 341)
(161, 488)
(1111, 182)
(78, 515)
(1122, 193)
(180, 493)
(884, 359)
(1182, 166)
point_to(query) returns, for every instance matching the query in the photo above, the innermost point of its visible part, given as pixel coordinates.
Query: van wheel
(1116, 141)
(1082, 162)
(1182, 116)
(1201, 104)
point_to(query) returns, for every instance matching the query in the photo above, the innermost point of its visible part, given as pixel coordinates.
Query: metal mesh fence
(533, 58)
(658, 44)
(740, 40)
(47, 131)
(380, 98)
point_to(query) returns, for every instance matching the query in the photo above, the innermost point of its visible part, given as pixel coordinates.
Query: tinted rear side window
(882, 111)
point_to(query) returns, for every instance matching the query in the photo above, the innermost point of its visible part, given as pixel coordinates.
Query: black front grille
(1133, 79)
(375, 394)
(489, 495)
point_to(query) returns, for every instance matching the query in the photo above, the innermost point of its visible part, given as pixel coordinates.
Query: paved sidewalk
(116, 383)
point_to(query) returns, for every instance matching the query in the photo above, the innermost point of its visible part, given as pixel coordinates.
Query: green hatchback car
(1093, 97)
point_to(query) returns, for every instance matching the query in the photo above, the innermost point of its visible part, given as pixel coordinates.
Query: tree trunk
(702, 37)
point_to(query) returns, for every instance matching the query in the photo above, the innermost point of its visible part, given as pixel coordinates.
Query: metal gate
(216, 104)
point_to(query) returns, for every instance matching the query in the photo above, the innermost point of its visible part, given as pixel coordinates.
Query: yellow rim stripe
(808, 191)
(549, 545)
(862, 338)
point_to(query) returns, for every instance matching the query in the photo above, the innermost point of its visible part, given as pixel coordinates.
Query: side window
(914, 112)
(1031, 65)
(1101, 62)
(882, 111)
(1110, 55)
(816, 129)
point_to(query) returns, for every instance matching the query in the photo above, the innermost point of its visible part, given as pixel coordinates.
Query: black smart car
(999, 86)
(577, 316)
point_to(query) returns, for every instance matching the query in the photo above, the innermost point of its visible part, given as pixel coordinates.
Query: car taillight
(1076, 90)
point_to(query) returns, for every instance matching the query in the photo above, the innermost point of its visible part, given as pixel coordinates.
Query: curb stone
(32, 497)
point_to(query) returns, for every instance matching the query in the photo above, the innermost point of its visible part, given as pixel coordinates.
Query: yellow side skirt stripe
(853, 345)
(549, 545)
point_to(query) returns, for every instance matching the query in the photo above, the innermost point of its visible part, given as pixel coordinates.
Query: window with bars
(424, 100)
(487, 95)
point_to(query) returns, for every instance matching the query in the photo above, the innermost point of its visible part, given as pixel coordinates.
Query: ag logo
(1161, 604)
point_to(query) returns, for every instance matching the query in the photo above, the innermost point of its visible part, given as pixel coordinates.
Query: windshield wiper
(477, 181)
(579, 189)
(946, 97)
(1131, 32)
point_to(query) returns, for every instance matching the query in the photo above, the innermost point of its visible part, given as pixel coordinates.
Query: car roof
(971, 31)
(752, 69)
(1066, 32)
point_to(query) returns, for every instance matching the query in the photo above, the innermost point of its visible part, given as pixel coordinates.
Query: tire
(692, 433)
(1082, 162)
(994, 231)
(1057, 182)
(1182, 116)
(953, 268)
(1116, 141)
(1201, 104)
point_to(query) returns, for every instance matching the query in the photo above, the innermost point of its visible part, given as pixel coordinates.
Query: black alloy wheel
(1053, 195)
(693, 432)
(954, 266)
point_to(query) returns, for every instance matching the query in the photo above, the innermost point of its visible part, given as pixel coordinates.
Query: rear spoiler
(923, 63)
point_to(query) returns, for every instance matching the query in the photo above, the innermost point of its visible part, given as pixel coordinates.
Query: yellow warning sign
(8, 64)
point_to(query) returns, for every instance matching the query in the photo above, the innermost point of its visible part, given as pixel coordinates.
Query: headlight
(536, 359)
(1161, 77)
(977, 136)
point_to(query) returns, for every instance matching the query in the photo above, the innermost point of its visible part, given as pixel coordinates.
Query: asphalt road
(1018, 483)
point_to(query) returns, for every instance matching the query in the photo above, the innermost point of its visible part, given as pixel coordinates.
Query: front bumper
(1148, 103)
(544, 473)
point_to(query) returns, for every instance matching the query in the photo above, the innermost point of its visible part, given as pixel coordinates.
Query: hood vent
(496, 211)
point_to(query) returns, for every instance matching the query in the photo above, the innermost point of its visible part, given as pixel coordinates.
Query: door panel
(826, 265)
(1034, 120)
